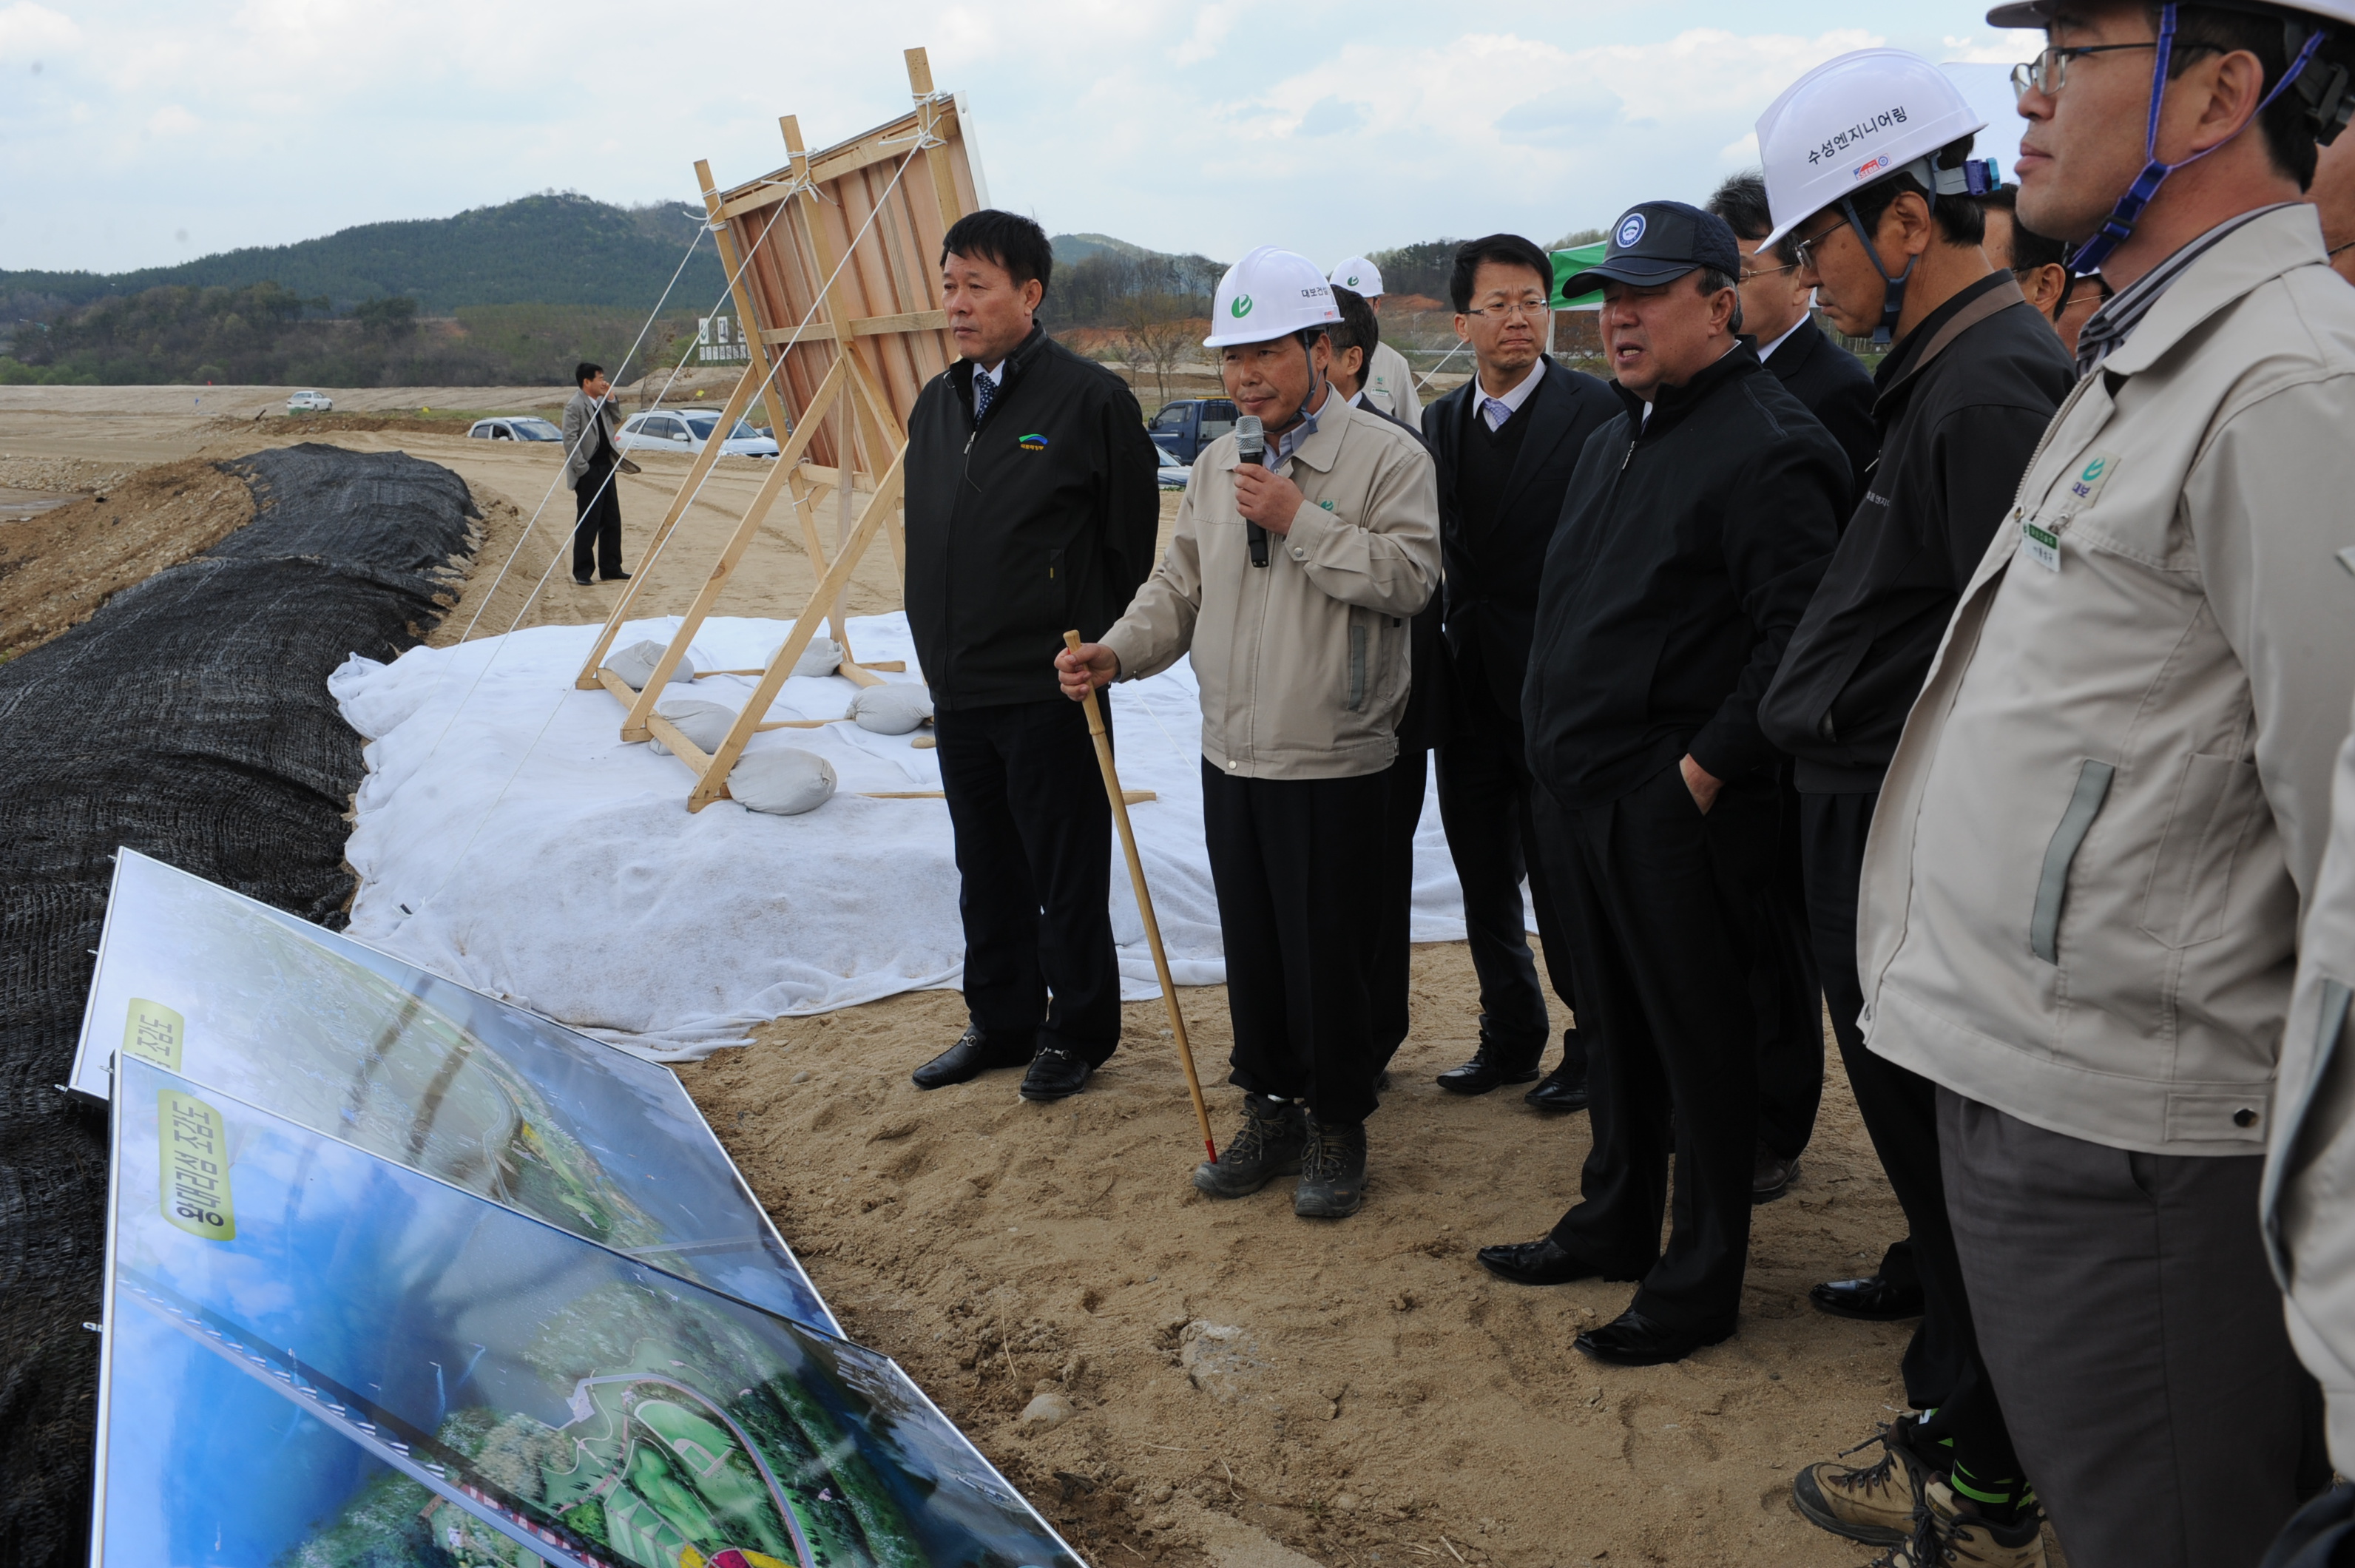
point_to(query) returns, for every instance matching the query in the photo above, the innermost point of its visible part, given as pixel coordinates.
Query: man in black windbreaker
(1972, 377)
(1693, 532)
(1032, 508)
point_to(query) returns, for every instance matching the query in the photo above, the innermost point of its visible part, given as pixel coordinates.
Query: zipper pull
(1629, 458)
(969, 440)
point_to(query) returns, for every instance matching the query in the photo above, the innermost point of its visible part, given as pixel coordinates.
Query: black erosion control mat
(189, 719)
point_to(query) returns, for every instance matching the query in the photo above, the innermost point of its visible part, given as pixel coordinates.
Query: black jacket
(1039, 520)
(1959, 419)
(1837, 389)
(1429, 712)
(1685, 556)
(1493, 567)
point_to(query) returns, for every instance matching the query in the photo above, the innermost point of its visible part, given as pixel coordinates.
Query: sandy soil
(1252, 1390)
(59, 565)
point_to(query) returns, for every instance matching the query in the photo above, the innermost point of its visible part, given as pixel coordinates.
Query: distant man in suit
(1835, 386)
(590, 422)
(1505, 442)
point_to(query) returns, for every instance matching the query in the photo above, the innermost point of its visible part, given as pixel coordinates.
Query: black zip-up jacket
(1686, 554)
(1961, 404)
(1837, 389)
(1039, 519)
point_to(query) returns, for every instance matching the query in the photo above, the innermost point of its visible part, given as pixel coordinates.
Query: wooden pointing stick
(1145, 902)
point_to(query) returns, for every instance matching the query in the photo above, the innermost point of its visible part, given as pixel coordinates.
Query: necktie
(1494, 410)
(984, 392)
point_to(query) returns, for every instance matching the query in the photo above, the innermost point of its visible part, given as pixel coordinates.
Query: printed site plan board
(400, 1274)
(835, 268)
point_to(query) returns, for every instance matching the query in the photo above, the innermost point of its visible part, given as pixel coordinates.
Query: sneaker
(1946, 1536)
(1332, 1172)
(1267, 1147)
(1874, 1503)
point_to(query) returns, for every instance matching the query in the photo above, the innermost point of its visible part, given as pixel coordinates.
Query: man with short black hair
(1506, 442)
(2041, 267)
(590, 422)
(1032, 508)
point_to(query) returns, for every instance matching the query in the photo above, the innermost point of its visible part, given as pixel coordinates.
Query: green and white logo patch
(1241, 307)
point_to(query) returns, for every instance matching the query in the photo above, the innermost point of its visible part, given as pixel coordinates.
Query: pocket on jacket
(2215, 800)
(1358, 655)
(2060, 853)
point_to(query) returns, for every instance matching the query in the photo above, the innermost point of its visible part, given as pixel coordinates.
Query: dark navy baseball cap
(1657, 240)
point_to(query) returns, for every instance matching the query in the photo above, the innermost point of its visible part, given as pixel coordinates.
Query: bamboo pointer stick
(1145, 902)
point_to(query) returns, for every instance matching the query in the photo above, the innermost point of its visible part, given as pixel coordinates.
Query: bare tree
(1155, 334)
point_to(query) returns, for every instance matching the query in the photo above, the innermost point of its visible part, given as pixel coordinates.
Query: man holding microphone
(1291, 578)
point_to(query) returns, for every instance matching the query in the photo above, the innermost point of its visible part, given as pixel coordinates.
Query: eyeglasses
(1804, 250)
(1515, 310)
(1750, 273)
(2048, 72)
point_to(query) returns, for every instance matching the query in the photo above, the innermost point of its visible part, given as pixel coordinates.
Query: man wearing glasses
(2080, 905)
(1970, 380)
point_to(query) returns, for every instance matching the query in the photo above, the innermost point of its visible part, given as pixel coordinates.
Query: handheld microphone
(1251, 447)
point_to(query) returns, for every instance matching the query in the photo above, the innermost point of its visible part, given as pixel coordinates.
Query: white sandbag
(823, 656)
(636, 665)
(892, 709)
(786, 782)
(705, 723)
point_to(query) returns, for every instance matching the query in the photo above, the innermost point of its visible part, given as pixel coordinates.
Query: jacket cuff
(1312, 526)
(1727, 750)
(1127, 645)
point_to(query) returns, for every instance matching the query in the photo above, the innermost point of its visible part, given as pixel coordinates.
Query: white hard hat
(1359, 276)
(1854, 121)
(2039, 12)
(1269, 293)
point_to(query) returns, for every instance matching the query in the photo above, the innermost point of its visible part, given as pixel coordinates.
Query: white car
(310, 404)
(686, 430)
(1174, 474)
(513, 428)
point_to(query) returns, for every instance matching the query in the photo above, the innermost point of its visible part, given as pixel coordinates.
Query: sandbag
(823, 656)
(892, 709)
(636, 665)
(705, 723)
(786, 782)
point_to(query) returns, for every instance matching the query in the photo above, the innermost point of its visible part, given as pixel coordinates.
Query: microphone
(1251, 447)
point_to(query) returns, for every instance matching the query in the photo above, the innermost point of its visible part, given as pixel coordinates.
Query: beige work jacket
(1390, 385)
(1301, 663)
(2081, 895)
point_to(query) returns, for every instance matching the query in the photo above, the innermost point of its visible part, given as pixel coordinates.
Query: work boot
(1332, 1172)
(1946, 1535)
(1267, 1147)
(1874, 1503)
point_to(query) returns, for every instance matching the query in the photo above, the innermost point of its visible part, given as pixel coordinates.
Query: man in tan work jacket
(1292, 580)
(2082, 890)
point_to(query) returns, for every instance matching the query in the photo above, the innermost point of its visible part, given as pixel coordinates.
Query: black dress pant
(1485, 793)
(1034, 852)
(597, 526)
(1791, 1037)
(1942, 1367)
(1389, 970)
(1298, 890)
(1664, 911)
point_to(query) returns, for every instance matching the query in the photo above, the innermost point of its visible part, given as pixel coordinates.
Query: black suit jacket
(1494, 566)
(1837, 388)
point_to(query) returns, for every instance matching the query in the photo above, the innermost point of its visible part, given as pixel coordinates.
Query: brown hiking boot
(1267, 1146)
(1944, 1536)
(1874, 1503)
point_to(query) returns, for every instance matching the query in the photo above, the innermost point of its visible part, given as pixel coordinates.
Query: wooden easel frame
(869, 423)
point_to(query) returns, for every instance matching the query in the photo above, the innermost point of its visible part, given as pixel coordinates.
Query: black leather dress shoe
(1560, 1092)
(614, 577)
(1632, 1339)
(1537, 1262)
(1487, 1069)
(1871, 1300)
(973, 1054)
(1055, 1074)
(584, 582)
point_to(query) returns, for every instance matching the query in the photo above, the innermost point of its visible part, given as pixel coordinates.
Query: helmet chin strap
(1977, 177)
(1893, 289)
(2119, 226)
(1300, 411)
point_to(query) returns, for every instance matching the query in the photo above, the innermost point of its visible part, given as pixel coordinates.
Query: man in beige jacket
(2081, 894)
(1292, 584)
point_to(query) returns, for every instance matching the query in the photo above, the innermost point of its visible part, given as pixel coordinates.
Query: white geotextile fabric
(506, 837)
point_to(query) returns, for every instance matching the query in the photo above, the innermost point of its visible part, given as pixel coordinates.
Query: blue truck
(1184, 427)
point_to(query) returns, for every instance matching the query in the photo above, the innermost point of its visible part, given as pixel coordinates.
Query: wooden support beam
(936, 126)
(863, 326)
(880, 145)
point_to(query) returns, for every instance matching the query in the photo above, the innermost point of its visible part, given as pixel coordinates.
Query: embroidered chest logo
(1032, 443)
(2089, 480)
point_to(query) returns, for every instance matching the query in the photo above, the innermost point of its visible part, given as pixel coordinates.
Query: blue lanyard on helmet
(2120, 224)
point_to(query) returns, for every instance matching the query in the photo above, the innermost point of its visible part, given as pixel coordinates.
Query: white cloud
(29, 32)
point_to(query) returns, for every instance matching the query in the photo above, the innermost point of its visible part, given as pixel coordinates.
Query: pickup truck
(1185, 427)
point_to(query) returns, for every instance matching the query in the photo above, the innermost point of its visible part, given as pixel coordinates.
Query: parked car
(687, 431)
(526, 427)
(310, 404)
(1189, 426)
(1174, 474)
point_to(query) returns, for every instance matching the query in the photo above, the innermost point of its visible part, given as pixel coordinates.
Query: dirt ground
(1252, 1390)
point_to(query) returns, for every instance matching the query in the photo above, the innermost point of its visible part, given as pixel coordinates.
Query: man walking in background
(1506, 442)
(590, 422)
(1695, 525)
(1032, 508)
(1389, 384)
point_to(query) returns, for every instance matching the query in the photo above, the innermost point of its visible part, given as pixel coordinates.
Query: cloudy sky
(134, 132)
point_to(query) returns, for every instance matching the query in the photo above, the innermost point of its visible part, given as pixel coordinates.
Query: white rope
(1444, 358)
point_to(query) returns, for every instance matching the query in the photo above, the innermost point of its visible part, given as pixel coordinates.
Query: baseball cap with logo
(1654, 241)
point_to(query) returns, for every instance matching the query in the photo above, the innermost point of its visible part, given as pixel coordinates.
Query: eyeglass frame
(1804, 250)
(2030, 73)
(1526, 310)
(1749, 272)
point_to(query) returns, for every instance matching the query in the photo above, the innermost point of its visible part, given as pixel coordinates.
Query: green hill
(551, 249)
